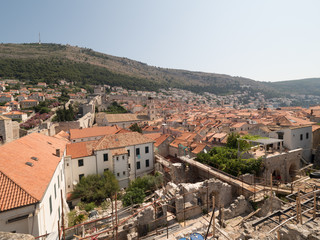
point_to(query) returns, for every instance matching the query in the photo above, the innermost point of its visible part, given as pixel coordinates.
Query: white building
(296, 137)
(128, 155)
(31, 182)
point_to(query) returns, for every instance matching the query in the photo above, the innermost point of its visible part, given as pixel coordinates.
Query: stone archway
(276, 175)
(292, 171)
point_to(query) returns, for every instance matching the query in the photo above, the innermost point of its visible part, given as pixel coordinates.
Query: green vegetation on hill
(51, 62)
(115, 108)
(309, 86)
(51, 70)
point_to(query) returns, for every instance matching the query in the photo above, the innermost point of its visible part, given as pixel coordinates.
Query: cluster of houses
(36, 181)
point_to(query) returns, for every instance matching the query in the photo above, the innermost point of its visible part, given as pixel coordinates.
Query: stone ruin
(195, 198)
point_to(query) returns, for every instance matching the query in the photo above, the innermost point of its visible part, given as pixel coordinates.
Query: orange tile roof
(121, 140)
(12, 195)
(80, 149)
(93, 132)
(62, 135)
(33, 180)
(199, 148)
(152, 136)
(29, 100)
(161, 139)
(119, 151)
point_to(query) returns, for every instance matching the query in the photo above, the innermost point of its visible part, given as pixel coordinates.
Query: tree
(134, 196)
(135, 128)
(111, 184)
(96, 188)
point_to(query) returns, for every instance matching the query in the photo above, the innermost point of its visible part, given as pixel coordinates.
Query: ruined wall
(195, 197)
(238, 207)
(286, 164)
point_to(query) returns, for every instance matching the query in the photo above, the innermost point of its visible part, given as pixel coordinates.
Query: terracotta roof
(4, 118)
(62, 135)
(93, 132)
(199, 148)
(125, 117)
(12, 195)
(152, 136)
(121, 140)
(161, 139)
(29, 100)
(34, 179)
(176, 143)
(80, 149)
(119, 151)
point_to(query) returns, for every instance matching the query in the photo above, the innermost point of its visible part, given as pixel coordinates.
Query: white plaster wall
(120, 167)
(48, 222)
(73, 171)
(102, 165)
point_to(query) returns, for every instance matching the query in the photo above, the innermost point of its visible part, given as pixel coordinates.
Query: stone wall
(66, 126)
(15, 236)
(196, 197)
(285, 164)
(238, 207)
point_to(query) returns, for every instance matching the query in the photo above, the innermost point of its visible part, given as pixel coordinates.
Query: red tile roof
(12, 195)
(121, 140)
(93, 132)
(80, 149)
(33, 180)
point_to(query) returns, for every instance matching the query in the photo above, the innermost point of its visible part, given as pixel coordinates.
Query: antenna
(39, 39)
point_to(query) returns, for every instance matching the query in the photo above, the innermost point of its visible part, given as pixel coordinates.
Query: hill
(308, 86)
(51, 62)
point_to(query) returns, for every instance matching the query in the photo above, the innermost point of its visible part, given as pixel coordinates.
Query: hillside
(50, 62)
(308, 86)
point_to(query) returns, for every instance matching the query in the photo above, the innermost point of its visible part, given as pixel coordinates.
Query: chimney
(58, 152)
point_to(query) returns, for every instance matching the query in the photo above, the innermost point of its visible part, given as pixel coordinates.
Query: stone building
(9, 130)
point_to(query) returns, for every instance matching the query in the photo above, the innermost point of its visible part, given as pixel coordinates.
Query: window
(128, 153)
(50, 204)
(80, 162)
(117, 158)
(17, 219)
(105, 157)
(147, 163)
(118, 174)
(307, 135)
(146, 149)
(138, 165)
(129, 166)
(122, 157)
(106, 169)
(55, 191)
(80, 176)
(301, 137)
(58, 182)
(124, 173)
(137, 151)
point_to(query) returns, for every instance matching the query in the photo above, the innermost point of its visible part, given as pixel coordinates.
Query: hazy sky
(266, 40)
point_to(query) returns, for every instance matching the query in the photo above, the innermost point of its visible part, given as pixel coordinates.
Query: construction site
(198, 199)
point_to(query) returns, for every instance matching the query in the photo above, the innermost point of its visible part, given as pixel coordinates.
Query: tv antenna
(39, 39)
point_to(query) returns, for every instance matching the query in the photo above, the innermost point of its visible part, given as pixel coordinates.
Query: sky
(265, 40)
